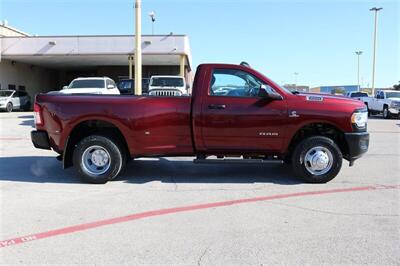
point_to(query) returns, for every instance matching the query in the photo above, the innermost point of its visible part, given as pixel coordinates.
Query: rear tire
(9, 107)
(317, 159)
(98, 159)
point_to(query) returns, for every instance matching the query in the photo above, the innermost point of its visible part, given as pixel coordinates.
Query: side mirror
(265, 93)
(110, 87)
(65, 87)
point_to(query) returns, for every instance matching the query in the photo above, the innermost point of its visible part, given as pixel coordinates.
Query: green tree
(397, 86)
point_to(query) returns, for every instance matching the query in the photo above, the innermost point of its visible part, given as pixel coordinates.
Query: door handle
(217, 106)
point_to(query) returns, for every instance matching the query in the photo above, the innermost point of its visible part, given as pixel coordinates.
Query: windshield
(5, 93)
(167, 82)
(393, 94)
(87, 83)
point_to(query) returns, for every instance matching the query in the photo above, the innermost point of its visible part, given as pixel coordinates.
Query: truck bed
(145, 122)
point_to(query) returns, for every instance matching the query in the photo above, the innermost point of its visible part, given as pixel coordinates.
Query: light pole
(138, 47)
(295, 79)
(375, 9)
(358, 53)
(152, 16)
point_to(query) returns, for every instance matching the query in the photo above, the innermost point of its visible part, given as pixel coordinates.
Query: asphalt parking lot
(170, 211)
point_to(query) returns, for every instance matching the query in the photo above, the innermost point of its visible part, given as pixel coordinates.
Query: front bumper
(394, 110)
(40, 139)
(357, 143)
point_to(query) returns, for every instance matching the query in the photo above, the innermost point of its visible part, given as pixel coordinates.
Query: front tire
(317, 159)
(9, 107)
(386, 113)
(98, 159)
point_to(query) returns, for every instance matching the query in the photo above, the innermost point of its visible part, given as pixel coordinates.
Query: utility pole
(375, 9)
(138, 47)
(358, 53)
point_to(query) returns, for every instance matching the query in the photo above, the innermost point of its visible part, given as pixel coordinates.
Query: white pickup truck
(386, 102)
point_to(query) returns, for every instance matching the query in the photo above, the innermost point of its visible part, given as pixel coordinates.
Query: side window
(16, 94)
(110, 82)
(382, 95)
(234, 83)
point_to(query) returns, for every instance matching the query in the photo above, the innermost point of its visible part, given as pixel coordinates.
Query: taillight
(37, 109)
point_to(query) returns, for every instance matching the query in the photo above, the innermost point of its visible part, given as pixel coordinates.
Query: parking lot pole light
(296, 74)
(375, 9)
(138, 47)
(152, 16)
(358, 53)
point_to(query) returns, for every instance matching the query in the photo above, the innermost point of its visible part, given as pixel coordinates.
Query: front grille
(165, 93)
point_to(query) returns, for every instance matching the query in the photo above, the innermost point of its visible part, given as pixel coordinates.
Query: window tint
(393, 94)
(166, 82)
(359, 94)
(5, 93)
(87, 83)
(234, 83)
(22, 94)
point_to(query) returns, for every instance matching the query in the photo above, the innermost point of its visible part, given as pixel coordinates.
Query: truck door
(235, 119)
(16, 100)
(378, 101)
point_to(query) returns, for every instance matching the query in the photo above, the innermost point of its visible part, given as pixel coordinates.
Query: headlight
(395, 105)
(360, 119)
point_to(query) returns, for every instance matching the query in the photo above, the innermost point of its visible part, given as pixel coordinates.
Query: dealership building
(44, 63)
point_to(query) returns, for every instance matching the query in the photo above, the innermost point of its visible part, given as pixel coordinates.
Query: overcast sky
(316, 39)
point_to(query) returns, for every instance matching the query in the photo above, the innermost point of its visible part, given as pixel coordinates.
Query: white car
(95, 85)
(386, 102)
(11, 100)
(167, 86)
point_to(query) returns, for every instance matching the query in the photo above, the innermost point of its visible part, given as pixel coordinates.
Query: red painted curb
(136, 216)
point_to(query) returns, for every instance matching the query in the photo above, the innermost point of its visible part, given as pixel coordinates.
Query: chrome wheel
(96, 160)
(318, 160)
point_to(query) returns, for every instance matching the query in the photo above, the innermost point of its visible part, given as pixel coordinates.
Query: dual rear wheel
(98, 159)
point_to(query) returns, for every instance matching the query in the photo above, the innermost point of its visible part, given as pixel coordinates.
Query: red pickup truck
(234, 111)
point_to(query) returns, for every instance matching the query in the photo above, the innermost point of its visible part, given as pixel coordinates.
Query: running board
(235, 161)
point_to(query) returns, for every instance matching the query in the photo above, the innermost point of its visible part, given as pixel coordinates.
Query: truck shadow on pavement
(37, 169)
(27, 120)
(178, 171)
